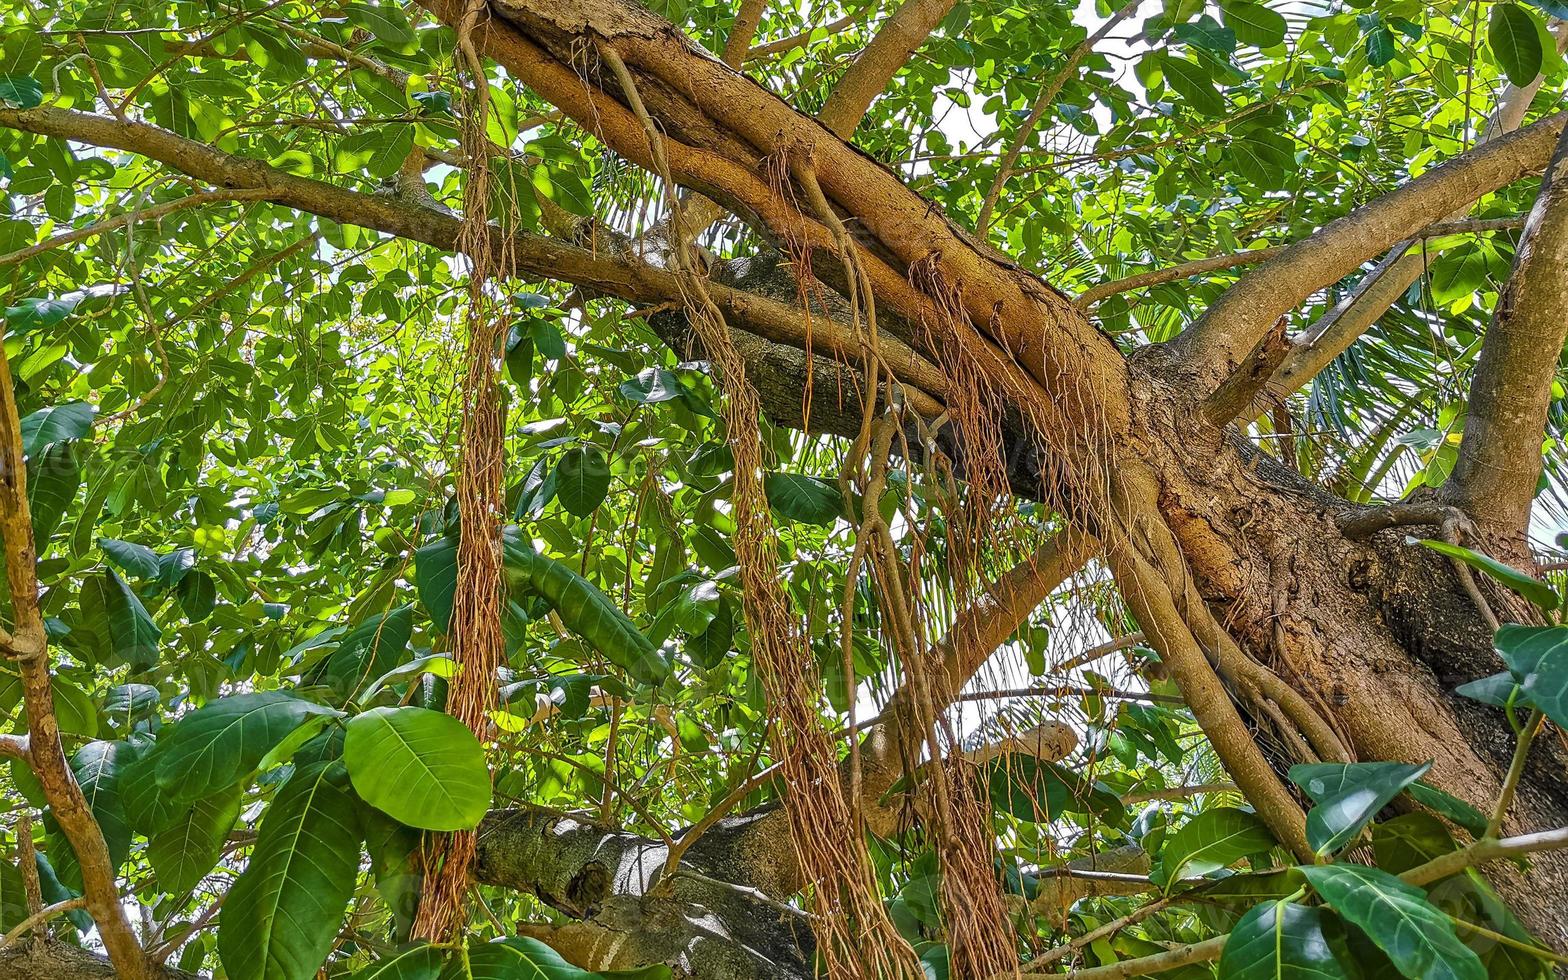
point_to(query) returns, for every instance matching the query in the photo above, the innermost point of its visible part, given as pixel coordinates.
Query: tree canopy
(903, 488)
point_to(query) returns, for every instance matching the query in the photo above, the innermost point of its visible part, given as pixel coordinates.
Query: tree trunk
(1377, 633)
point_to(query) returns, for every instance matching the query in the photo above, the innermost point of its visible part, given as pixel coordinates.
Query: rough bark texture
(60, 961)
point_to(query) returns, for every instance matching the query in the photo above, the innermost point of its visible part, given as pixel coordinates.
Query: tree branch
(1499, 464)
(45, 753)
(1211, 348)
(738, 44)
(875, 67)
(783, 44)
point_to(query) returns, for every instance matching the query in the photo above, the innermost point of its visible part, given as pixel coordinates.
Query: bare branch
(1048, 93)
(1211, 348)
(897, 39)
(1499, 464)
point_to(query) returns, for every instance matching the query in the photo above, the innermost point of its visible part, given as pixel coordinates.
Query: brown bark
(1499, 462)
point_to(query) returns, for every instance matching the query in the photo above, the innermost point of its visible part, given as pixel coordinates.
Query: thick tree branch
(1236, 260)
(1211, 348)
(875, 67)
(1499, 464)
(738, 43)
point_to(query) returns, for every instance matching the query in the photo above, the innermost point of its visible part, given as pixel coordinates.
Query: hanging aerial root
(855, 937)
(475, 627)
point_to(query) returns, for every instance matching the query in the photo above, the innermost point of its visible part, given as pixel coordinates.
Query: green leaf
(1397, 917)
(1195, 85)
(423, 768)
(1280, 941)
(1500, 690)
(224, 741)
(1458, 272)
(1381, 46)
(1348, 796)
(416, 961)
(22, 91)
(1450, 806)
(1263, 157)
(1253, 23)
(1221, 902)
(586, 611)
(58, 423)
(1212, 840)
(435, 576)
(1538, 657)
(53, 477)
(1031, 789)
(1515, 42)
(651, 386)
(134, 559)
(133, 636)
(804, 499)
(387, 23)
(184, 851)
(13, 896)
(522, 958)
(370, 650)
(282, 915)
(1541, 594)
(99, 769)
(37, 312)
(582, 478)
(1409, 841)
(198, 596)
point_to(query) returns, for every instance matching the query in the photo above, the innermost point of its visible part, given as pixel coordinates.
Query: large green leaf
(134, 559)
(586, 611)
(1253, 22)
(1515, 42)
(416, 961)
(188, 847)
(582, 478)
(1280, 940)
(435, 575)
(1538, 657)
(53, 477)
(133, 636)
(1450, 806)
(1348, 796)
(224, 741)
(1212, 840)
(283, 913)
(522, 958)
(422, 767)
(804, 499)
(1032, 789)
(1194, 83)
(1538, 592)
(13, 896)
(100, 769)
(57, 423)
(1418, 938)
(370, 650)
